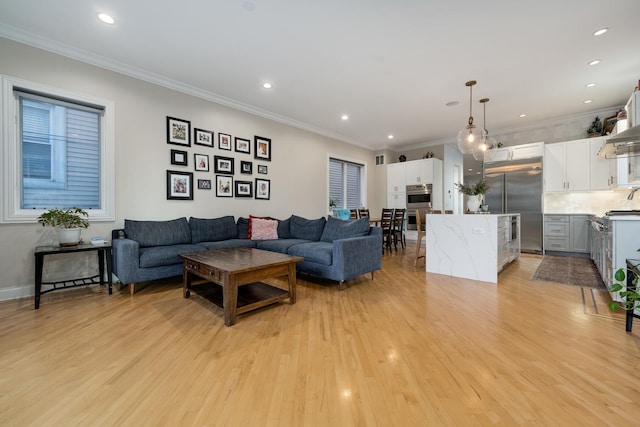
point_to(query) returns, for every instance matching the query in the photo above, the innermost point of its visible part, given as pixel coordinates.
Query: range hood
(625, 143)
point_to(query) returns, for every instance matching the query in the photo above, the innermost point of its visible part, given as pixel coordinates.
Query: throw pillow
(338, 229)
(284, 228)
(251, 218)
(264, 229)
(307, 229)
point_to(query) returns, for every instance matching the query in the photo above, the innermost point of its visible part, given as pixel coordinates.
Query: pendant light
(468, 136)
(485, 149)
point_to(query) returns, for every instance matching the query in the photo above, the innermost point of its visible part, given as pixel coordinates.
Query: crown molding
(49, 45)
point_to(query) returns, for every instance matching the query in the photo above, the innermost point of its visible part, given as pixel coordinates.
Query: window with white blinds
(345, 183)
(59, 152)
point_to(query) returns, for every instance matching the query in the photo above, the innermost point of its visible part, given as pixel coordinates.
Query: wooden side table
(632, 267)
(104, 253)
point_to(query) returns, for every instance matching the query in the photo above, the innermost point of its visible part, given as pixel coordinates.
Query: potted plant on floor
(627, 291)
(67, 222)
(475, 194)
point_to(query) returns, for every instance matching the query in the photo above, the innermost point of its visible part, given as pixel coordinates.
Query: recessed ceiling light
(390, 136)
(600, 32)
(107, 19)
(523, 116)
(588, 101)
(590, 85)
(594, 62)
(452, 103)
(344, 117)
(267, 85)
(470, 169)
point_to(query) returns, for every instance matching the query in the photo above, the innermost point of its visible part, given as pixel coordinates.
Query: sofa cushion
(279, 245)
(338, 229)
(264, 229)
(243, 228)
(320, 252)
(306, 229)
(158, 233)
(230, 243)
(284, 228)
(213, 229)
(165, 255)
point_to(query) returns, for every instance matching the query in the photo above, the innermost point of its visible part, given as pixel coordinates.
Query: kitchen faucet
(630, 196)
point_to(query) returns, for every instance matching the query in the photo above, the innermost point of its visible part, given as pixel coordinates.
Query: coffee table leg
(292, 283)
(186, 283)
(229, 300)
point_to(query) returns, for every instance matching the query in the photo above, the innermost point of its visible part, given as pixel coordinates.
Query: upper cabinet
(567, 167)
(524, 151)
(421, 171)
(600, 168)
(425, 171)
(395, 177)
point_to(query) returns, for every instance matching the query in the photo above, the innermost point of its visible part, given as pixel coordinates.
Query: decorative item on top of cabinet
(595, 129)
(402, 158)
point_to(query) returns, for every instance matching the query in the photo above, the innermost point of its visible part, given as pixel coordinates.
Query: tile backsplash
(594, 202)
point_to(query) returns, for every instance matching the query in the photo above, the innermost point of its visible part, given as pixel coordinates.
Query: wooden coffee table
(238, 273)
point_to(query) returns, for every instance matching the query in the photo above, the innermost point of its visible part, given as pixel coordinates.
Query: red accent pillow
(264, 229)
(251, 217)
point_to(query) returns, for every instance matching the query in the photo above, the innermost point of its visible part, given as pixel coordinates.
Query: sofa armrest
(357, 255)
(126, 260)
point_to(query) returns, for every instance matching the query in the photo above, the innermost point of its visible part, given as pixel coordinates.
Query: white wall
(298, 170)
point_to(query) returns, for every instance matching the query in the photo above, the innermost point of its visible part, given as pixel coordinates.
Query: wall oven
(418, 197)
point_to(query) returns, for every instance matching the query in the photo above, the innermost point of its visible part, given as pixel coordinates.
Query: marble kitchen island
(472, 246)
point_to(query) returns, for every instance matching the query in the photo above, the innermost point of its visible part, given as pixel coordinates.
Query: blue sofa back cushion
(243, 228)
(158, 233)
(306, 229)
(284, 228)
(337, 229)
(213, 229)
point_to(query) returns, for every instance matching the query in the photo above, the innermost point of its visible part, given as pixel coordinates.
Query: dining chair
(436, 211)
(354, 213)
(386, 223)
(448, 211)
(398, 227)
(363, 213)
(421, 223)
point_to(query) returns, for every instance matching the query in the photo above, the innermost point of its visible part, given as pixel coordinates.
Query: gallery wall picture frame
(244, 188)
(178, 131)
(263, 189)
(179, 185)
(202, 162)
(223, 164)
(246, 167)
(204, 184)
(224, 186)
(224, 141)
(263, 169)
(179, 158)
(203, 137)
(243, 145)
(262, 148)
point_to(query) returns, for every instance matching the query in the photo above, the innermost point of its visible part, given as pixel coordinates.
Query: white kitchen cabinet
(600, 168)
(397, 200)
(395, 177)
(517, 152)
(566, 166)
(421, 171)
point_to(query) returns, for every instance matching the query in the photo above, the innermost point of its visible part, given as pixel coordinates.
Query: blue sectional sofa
(331, 248)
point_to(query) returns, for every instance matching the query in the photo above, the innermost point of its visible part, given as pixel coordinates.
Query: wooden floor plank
(409, 348)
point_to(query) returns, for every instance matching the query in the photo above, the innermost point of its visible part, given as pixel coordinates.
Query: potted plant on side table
(67, 222)
(475, 194)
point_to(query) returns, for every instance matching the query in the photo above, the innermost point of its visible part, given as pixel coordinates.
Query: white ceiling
(390, 65)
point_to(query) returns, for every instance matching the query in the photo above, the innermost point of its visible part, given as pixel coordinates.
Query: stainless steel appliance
(418, 197)
(516, 187)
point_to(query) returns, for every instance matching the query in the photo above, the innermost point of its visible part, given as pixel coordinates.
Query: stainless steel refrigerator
(516, 187)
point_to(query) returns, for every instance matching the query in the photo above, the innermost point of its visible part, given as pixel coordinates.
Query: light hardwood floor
(408, 349)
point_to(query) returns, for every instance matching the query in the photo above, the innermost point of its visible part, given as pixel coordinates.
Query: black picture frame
(263, 169)
(178, 131)
(244, 188)
(242, 145)
(201, 162)
(224, 186)
(203, 137)
(179, 158)
(263, 189)
(224, 141)
(179, 185)
(262, 148)
(246, 167)
(204, 184)
(223, 165)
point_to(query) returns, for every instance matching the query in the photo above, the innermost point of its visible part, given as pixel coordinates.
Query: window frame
(363, 178)
(10, 147)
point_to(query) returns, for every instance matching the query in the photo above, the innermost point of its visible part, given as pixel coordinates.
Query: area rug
(569, 271)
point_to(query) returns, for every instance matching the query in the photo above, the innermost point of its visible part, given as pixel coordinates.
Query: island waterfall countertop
(472, 246)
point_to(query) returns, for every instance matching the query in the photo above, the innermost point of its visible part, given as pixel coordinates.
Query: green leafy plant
(480, 187)
(596, 126)
(332, 203)
(64, 218)
(630, 295)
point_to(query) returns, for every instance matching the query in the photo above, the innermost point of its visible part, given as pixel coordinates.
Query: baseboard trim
(17, 292)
